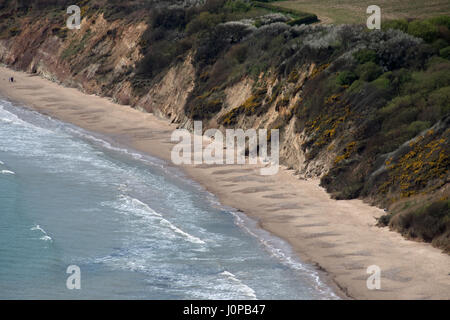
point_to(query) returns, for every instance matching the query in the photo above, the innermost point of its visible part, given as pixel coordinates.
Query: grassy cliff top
(354, 11)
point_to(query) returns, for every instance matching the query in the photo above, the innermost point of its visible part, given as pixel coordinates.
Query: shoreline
(338, 237)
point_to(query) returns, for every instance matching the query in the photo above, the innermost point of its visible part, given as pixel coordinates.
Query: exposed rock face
(168, 97)
(91, 59)
(324, 133)
(100, 57)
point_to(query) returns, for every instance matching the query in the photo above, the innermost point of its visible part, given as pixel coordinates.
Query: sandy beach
(340, 237)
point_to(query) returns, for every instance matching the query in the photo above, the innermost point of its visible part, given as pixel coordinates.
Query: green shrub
(397, 125)
(441, 99)
(436, 61)
(417, 126)
(356, 86)
(435, 77)
(205, 109)
(346, 77)
(365, 55)
(369, 71)
(350, 191)
(239, 52)
(381, 83)
(238, 6)
(170, 18)
(203, 22)
(219, 39)
(439, 44)
(441, 21)
(383, 221)
(400, 24)
(115, 11)
(445, 53)
(427, 223)
(424, 30)
(398, 78)
(407, 115)
(396, 104)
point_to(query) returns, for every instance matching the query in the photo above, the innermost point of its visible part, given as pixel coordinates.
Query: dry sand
(340, 237)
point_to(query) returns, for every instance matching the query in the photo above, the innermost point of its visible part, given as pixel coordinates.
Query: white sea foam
(277, 248)
(136, 207)
(45, 237)
(7, 172)
(38, 227)
(142, 157)
(9, 117)
(105, 144)
(134, 259)
(8, 120)
(240, 286)
(189, 237)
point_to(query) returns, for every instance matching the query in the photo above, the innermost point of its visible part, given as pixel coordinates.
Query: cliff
(366, 111)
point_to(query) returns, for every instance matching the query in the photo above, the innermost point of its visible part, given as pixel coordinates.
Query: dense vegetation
(372, 93)
(378, 101)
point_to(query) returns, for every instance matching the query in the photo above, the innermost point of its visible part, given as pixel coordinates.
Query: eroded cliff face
(94, 59)
(167, 97)
(280, 99)
(101, 57)
(331, 125)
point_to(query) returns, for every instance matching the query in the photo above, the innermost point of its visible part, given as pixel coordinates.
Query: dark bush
(219, 39)
(161, 55)
(396, 52)
(346, 77)
(169, 18)
(423, 29)
(205, 109)
(445, 53)
(439, 44)
(400, 24)
(383, 221)
(203, 22)
(427, 223)
(239, 52)
(237, 6)
(365, 55)
(369, 71)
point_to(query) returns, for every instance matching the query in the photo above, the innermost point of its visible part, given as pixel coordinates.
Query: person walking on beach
(11, 79)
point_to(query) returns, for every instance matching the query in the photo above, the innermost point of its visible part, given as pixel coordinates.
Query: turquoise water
(135, 226)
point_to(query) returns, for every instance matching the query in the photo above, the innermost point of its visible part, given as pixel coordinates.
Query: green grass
(254, 12)
(354, 11)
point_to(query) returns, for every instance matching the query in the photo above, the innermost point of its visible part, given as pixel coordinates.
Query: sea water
(135, 226)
